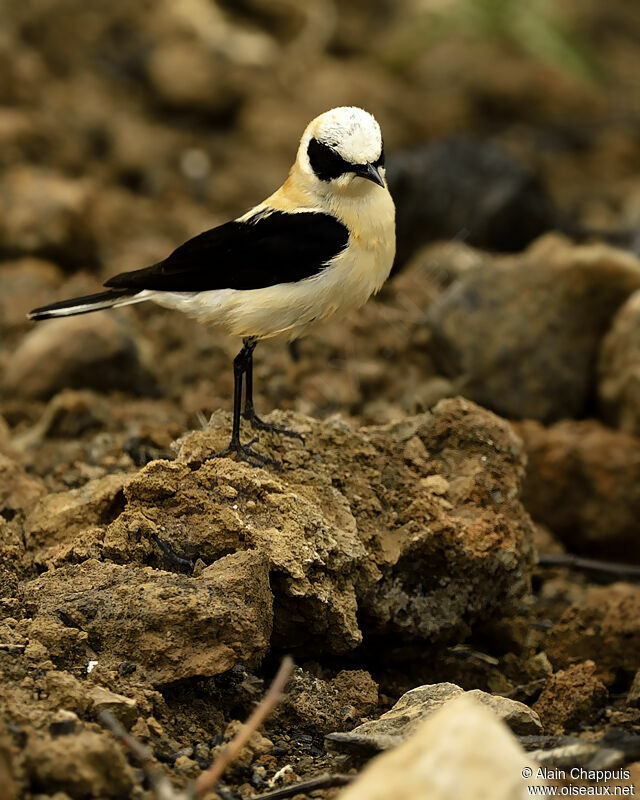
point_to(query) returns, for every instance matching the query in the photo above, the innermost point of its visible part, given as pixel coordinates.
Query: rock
(417, 705)
(318, 705)
(619, 369)
(604, 627)
(89, 351)
(465, 184)
(60, 516)
(462, 751)
(583, 482)
(354, 540)
(184, 76)
(19, 492)
(172, 627)
(519, 717)
(524, 332)
(633, 698)
(26, 283)
(68, 415)
(66, 692)
(123, 708)
(42, 213)
(85, 764)
(570, 698)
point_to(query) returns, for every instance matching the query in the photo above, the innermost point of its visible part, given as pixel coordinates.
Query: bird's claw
(261, 425)
(246, 453)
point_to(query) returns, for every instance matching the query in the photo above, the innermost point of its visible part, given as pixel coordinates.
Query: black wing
(266, 250)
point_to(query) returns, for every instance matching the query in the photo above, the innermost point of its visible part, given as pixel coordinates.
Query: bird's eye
(325, 162)
(379, 162)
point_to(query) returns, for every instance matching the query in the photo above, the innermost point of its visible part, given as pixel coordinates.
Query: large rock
(462, 751)
(414, 529)
(603, 627)
(171, 626)
(60, 516)
(465, 184)
(524, 333)
(583, 482)
(90, 351)
(619, 369)
(417, 705)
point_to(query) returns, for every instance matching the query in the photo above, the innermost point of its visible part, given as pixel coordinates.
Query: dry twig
(304, 787)
(208, 779)
(160, 784)
(617, 570)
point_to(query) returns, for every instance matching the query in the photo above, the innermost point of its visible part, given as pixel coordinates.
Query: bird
(318, 247)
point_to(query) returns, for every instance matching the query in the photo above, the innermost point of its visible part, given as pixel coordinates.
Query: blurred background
(126, 128)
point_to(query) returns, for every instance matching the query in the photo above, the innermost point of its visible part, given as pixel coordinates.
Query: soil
(480, 409)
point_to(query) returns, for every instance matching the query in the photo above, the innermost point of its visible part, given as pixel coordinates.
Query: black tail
(84, 305)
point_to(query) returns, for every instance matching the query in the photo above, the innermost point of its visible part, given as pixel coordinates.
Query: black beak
(370, 173)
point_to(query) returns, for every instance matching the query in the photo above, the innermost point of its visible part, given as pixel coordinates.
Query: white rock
(421, 703)
(462, 752)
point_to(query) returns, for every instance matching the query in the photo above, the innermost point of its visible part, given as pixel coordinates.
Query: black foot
(261, 425)
(246, 453)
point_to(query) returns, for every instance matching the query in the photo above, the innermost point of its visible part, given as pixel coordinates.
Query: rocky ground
(465, 431)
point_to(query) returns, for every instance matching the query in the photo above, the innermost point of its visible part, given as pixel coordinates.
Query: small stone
(435, 484)
(63, 723)
(202, 751)
(154, 726)
(186, 766)
(570, 698)
(140, 729)
(415, 452)
(123, 708)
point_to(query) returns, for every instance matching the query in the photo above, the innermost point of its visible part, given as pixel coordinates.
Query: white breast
(292, 308)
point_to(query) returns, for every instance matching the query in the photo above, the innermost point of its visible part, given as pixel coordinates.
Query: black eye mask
(325, 162)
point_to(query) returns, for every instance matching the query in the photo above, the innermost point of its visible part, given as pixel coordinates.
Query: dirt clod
(604, 626)
(570, 697)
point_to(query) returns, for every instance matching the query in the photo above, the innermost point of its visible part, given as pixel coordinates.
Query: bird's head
(341, 151)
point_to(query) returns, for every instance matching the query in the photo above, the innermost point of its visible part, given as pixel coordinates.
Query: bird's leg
(241, 365)
(249, 410)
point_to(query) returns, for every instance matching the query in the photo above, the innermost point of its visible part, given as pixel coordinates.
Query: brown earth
(394, 548)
